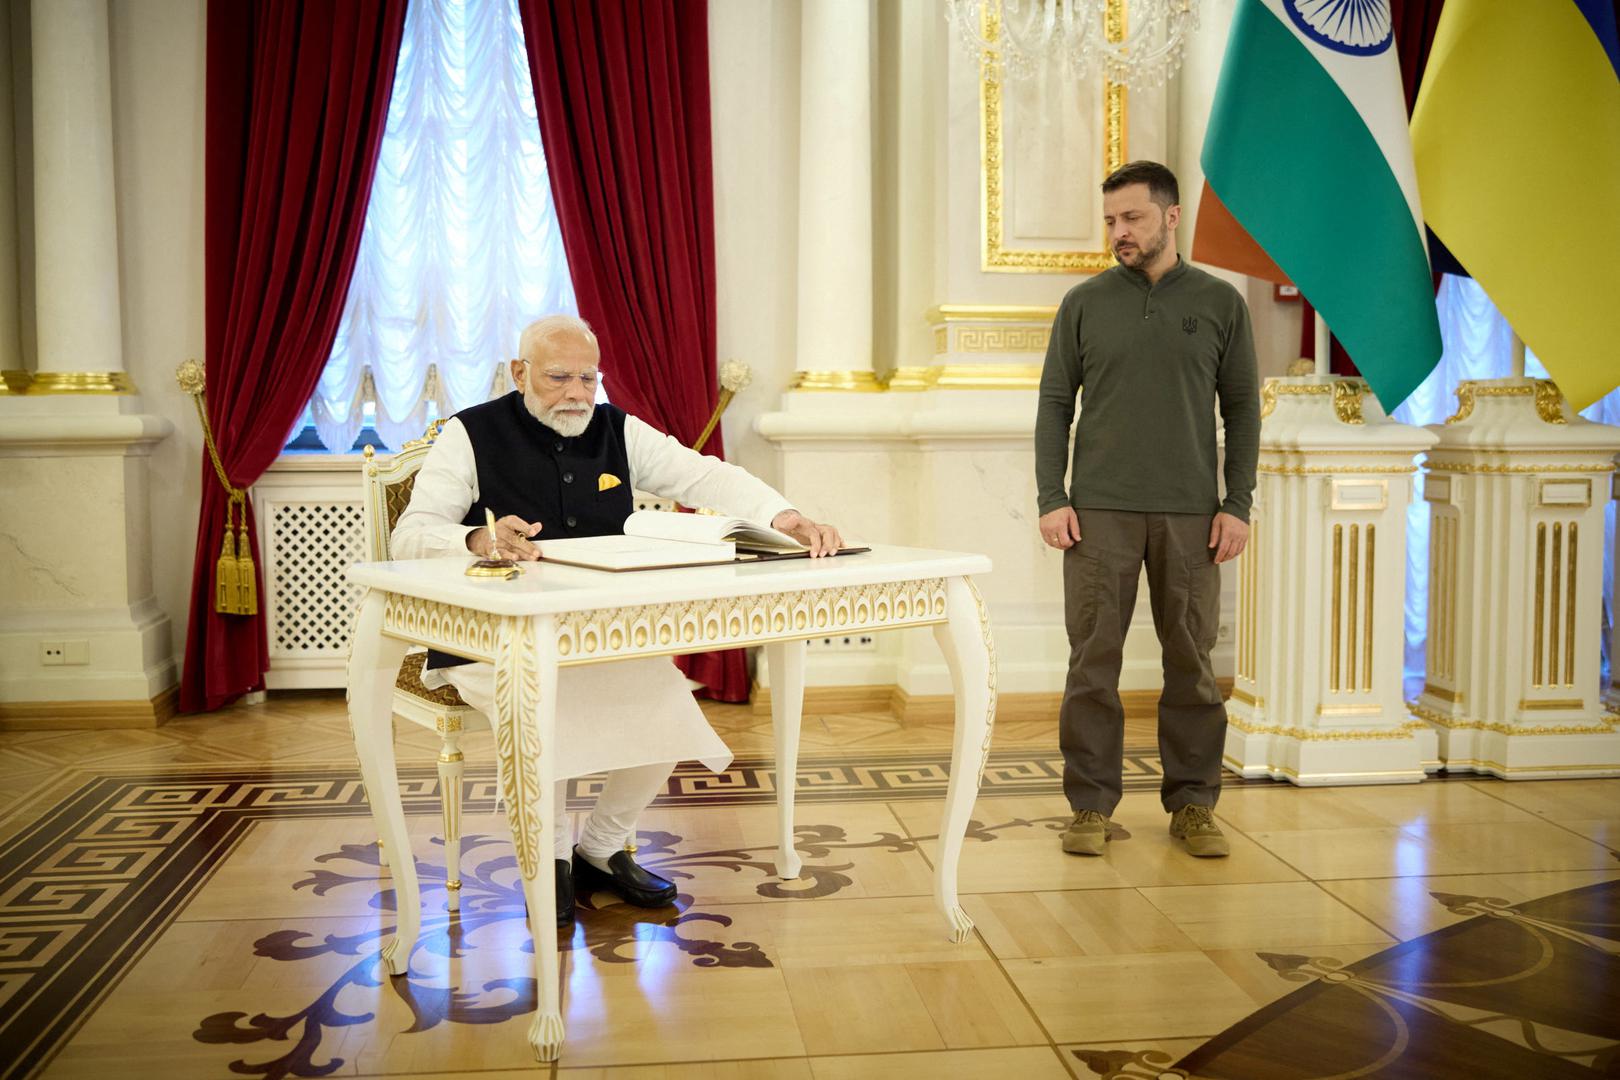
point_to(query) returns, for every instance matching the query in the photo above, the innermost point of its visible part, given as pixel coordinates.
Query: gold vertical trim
(1541, 602)
(1367, 617)
(1450, 572)
(1436, 601)
(1245, 611)
(1338, 562)
(1569, 614)
(1555, 640)
(1350, 619)
(998, 258)
(1254, 604)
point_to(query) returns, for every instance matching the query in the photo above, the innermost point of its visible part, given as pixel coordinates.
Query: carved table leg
(970, 655)
(785, 660)
(373, 667)
(525, 718)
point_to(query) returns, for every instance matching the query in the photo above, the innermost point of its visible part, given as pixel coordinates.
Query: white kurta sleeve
(661, 466)
(446, 487)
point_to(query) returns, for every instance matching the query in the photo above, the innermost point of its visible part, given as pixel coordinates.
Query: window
(461, 246)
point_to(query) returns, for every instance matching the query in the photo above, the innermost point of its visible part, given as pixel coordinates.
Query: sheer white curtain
(461, 245)
(1478, 345)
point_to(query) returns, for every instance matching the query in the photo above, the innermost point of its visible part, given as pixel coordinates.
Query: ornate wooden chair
(388, 483)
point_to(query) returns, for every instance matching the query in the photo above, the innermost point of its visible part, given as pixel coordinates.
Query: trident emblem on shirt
(1189, 325)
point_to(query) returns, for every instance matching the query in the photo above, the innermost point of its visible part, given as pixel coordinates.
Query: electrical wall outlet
(843, 643)
(64, 653)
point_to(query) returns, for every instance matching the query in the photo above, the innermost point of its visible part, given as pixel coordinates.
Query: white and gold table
(552, 616)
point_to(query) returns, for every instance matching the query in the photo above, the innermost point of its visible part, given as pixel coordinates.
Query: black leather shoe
(627, 881)
(565, 896)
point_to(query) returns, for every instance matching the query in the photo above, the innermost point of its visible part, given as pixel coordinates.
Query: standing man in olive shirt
(1155, 345)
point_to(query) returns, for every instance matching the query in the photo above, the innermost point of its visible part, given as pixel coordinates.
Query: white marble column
(1321, 625)
(1516, 490)
(75, 219)
(11, 364)
(83, 642)
(835, 197)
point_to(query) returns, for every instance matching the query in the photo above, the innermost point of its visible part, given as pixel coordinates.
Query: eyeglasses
(559, 380)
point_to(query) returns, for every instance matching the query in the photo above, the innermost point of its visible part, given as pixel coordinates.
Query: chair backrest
(387, 489)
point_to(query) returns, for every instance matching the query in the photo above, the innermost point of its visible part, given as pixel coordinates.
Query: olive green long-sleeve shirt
(1153, 361)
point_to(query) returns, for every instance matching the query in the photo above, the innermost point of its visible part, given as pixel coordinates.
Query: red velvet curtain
(1415, 22)
(297, 100)
(622, 88)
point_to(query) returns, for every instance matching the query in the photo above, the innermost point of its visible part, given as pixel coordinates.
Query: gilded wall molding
(998, 258)
(941, 377)
(15, 382)
(80, 382)
(854, 382)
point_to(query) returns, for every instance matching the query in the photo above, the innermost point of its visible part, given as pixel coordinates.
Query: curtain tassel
(236, 589)
(246, 579)
(226, 598)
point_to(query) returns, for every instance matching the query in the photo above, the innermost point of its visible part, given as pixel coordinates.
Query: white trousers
(627, 791)
(612, 820)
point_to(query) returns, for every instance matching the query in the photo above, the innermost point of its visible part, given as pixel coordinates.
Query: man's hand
(511, 540)
(1061, 528)
(820, 539)
(1228, 536)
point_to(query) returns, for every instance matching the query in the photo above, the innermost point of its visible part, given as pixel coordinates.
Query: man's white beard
(566, 419)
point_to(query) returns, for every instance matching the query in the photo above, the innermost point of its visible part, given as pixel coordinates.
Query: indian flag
(1308, 149)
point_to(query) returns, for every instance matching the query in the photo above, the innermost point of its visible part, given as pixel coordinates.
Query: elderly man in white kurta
(545, 459)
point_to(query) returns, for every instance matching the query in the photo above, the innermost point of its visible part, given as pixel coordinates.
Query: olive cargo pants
(1100, 576)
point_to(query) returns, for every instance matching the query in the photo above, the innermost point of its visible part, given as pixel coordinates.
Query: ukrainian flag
(1516, 140)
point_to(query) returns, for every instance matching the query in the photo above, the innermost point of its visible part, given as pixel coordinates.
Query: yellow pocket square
(607, 481)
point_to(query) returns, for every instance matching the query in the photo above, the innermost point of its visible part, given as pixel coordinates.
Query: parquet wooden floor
(205, 900)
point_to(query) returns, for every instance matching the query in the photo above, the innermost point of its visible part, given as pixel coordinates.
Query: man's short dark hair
(1161, 182)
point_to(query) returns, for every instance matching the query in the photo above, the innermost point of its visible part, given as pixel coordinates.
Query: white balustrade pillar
(1317, 689)
(835, 197)
(1516, 489)
(75, 215)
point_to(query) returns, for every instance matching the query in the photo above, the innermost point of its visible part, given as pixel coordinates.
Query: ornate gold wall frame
(998, 258)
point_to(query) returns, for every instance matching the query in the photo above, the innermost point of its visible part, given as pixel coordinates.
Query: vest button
(568, 478)
(572, 521)
(559, 448)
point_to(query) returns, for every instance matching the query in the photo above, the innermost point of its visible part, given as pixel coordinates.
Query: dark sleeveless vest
(527, 469)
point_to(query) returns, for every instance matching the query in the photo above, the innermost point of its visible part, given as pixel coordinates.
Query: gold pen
(489, 523)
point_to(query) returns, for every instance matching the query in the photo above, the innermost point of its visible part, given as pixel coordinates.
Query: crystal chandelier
(1013, 38)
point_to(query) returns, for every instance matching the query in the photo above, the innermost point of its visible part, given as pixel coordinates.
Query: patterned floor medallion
(174, 919)
(1518, 990)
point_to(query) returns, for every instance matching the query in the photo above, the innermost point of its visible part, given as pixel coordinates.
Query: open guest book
(660, 540)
